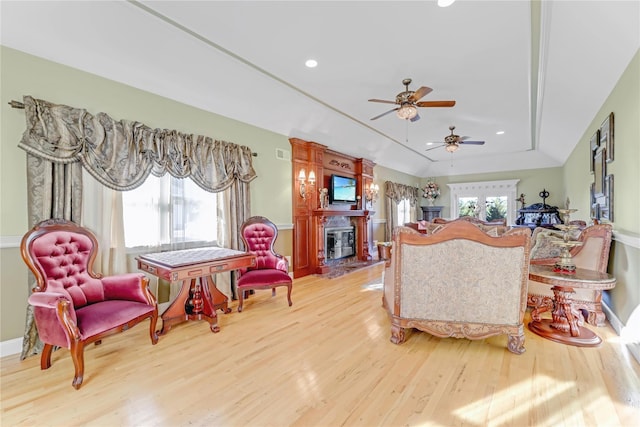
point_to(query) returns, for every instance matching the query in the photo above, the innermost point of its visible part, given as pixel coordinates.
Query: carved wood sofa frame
(458, 282)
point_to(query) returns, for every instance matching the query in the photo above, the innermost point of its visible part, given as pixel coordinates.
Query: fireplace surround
(340, 242)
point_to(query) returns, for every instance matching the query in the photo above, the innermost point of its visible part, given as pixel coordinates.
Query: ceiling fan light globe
(445, 3)
(452, 148)
(407, 112)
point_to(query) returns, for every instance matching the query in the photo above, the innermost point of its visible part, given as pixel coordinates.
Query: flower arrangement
(431, 191)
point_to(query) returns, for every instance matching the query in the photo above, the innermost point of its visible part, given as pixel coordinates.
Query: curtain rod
(16, 104)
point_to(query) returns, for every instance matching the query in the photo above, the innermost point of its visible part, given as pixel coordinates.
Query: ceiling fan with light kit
(452, 142)
(408, 104)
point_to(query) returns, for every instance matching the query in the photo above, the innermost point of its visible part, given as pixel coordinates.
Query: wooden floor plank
(325, 361)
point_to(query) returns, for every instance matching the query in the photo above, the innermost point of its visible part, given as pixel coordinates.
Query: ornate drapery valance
(121, 154)
(398, 192)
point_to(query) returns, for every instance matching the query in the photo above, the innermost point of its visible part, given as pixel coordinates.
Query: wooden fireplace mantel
(338, 212)
(309, 219)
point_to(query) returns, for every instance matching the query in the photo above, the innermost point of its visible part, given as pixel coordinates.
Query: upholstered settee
(458, 282)
(592, 254)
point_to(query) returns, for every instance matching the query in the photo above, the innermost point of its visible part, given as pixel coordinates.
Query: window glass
(496, 208)
(168, 212)
(404, 212)
(468, 206)
(486, 200)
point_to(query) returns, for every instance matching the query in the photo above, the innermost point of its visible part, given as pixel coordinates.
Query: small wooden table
(565, 325)
(199, 298)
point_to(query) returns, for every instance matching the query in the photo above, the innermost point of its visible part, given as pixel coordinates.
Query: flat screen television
(342, 189)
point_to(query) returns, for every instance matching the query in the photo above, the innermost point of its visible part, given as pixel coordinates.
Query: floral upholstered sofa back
(459, 281)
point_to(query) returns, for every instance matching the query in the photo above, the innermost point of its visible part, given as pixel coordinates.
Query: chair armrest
(47, 299)
(129, 287)
(48, 306)
(282, 264)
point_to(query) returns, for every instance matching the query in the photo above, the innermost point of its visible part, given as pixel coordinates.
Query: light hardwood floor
(326, 361)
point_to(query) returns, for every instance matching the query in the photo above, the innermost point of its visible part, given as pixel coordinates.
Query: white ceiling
(540, 73)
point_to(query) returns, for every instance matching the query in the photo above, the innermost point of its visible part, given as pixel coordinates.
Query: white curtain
(102, 214)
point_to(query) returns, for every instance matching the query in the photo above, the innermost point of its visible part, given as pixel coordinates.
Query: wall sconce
(371, 193)
(302, 177)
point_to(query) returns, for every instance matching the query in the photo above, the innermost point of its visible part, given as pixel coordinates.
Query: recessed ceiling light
(311, 63)
(500, 132)
(445, 3)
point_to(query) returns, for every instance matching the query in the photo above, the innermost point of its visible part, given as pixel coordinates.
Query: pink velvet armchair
(271, 269)
(72, 305)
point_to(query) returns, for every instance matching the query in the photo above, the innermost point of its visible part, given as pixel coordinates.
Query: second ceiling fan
(452, 142)
(408, 104)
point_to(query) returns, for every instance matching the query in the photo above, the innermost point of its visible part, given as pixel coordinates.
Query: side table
(565, 325)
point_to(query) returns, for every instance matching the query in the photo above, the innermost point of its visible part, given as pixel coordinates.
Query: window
(404, 212)
(168, 212)
(488, 200)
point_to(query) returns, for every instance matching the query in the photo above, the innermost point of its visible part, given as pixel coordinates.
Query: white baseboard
(618, 326)
(11, 347)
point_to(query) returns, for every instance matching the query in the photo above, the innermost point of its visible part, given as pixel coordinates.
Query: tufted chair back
(63, 257)
(271, 269)
(259, 235)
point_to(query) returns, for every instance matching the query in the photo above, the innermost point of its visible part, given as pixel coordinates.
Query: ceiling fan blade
(383, 114)
(463, 138)
(436, 103)
(472, 142)
(416, 118)
(434, 147)
(383, 101)
(420, 93)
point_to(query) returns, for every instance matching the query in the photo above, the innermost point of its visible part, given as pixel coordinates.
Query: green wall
(381, 175)
(624, 102)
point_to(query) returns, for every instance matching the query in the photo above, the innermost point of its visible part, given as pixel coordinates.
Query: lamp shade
(407, 112)
(452, 148)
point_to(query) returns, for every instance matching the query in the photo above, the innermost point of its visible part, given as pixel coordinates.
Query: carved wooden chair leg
(516, 343)
(45, 357)
(398, 334)
(152, 329)
(289, 295)
(240, 299)
(77, 354)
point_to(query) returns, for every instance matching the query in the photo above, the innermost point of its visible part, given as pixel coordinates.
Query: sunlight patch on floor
(376, 285)
(307, 383)
(477, 410)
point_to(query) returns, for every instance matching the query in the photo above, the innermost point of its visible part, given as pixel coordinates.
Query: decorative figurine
(521, 200)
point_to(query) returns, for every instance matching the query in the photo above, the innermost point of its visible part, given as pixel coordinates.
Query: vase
(431, 202)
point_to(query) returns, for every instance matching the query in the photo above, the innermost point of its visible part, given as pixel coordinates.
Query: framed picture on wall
(608, 191)
(595, 143)
(606, 137)
(599, 170)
